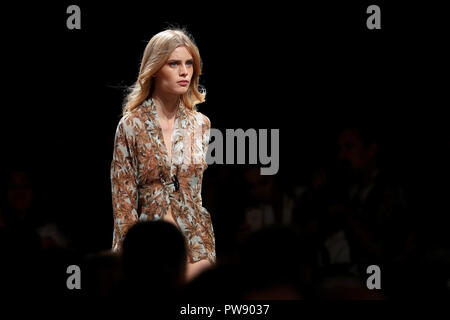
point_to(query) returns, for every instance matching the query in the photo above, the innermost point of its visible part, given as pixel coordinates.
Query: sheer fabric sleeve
(124, 182)
(206, 131)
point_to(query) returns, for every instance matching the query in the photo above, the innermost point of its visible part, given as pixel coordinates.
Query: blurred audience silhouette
(313, 239)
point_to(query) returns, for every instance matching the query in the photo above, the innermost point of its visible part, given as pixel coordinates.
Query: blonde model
(160, 149)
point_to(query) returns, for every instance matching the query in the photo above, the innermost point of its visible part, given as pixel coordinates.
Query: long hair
(156, 54)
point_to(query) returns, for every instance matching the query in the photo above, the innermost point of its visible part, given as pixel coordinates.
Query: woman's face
(175, 76)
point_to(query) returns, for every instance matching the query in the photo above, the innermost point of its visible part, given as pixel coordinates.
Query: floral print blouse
(142, 178)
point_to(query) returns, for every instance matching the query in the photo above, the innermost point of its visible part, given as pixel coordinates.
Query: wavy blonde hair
(156, 54)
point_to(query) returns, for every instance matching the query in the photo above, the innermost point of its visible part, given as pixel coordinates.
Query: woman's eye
(174, 64)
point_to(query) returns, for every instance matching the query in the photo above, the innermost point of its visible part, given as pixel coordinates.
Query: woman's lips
(183, 83)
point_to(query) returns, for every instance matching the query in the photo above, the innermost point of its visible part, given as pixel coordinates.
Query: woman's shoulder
(201, 118)
(136, 113)
(132, 120)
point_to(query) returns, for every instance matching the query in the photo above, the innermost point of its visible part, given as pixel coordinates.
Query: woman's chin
(176, 91)
(182, 91)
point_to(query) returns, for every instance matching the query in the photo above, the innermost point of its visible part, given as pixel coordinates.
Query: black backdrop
(304, 68)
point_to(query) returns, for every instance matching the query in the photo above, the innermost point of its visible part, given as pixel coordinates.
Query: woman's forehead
(180, 53)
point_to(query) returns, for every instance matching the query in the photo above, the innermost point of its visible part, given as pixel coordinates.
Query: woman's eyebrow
(174, 60)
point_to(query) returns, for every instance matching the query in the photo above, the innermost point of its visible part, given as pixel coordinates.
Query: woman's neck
(166, 105)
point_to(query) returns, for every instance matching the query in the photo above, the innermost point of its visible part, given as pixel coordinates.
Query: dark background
(307, 69)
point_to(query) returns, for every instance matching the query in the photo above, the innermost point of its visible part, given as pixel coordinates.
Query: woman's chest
(167, 130)
(166, 154)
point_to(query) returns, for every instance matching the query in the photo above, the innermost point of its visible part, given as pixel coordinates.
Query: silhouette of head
(357, 148)
(274, 254)
(260, 187)
(20, 192)
(154, 256)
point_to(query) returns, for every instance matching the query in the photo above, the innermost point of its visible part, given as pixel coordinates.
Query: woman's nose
(183, 70)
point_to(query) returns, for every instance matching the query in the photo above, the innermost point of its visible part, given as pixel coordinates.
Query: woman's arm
(206, 131)
(123, 182)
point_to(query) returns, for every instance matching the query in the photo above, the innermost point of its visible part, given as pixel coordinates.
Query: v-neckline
(161, 134)
(169, 155)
